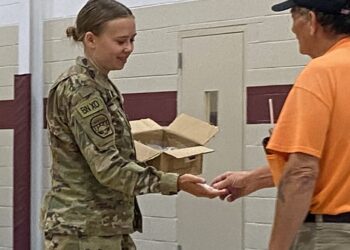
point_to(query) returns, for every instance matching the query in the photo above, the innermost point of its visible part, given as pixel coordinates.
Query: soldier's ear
(90, 40)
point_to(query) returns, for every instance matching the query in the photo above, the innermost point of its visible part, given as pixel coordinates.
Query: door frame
(202, 30)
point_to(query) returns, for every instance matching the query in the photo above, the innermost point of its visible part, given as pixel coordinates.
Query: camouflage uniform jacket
(95, 175)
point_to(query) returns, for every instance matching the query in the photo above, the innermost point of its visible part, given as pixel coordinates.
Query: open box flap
(145, 153)
(187, 152)
(144, 125)
(193, 129)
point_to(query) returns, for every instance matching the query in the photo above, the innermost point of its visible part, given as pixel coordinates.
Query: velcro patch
(101, 126)
(90, 107)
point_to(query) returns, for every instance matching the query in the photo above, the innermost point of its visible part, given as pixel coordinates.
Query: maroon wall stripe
(21, 174)
(15, 114)
(7, 118)
(159, 106)
(258, 104)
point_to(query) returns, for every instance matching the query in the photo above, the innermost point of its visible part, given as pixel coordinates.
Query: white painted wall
(68, 8)
(55, 9)
(8, 67)
(9, 12)
(6, 189)
(271, 57)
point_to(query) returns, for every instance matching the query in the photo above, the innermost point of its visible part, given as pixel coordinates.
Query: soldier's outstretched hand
(196, 186)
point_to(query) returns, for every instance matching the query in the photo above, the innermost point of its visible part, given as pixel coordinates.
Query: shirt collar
(100, 78)
(344, 42)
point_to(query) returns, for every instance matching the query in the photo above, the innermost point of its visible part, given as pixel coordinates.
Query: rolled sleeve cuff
(168, 184)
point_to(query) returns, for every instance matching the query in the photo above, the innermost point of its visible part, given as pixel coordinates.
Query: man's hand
(242, 183)
(196, 186)
(236, 184)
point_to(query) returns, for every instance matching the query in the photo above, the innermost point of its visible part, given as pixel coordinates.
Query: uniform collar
(100, 78)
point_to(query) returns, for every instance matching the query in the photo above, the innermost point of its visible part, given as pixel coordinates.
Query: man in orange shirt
(309, 150)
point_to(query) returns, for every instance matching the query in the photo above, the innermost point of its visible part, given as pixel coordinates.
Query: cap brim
(283, 6)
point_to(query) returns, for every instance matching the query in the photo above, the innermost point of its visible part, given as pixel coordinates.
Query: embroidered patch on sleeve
(90, 107)
(101, 126)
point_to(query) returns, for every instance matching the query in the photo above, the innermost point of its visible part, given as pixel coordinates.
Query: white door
(211, 88)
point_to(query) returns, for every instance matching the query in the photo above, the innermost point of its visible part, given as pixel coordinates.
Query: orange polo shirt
(315, 120)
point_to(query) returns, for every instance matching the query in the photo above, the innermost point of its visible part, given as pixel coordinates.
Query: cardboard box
(178, 148)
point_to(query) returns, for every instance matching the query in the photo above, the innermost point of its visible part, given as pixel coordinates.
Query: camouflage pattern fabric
(95, 175)
(120, 242)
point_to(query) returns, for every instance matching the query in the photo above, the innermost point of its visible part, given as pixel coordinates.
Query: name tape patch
(90, 107)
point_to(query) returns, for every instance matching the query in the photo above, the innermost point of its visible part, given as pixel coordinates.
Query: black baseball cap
(326, 6)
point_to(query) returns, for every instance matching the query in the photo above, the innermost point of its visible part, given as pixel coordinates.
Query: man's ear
(90, 40)
(313, 24)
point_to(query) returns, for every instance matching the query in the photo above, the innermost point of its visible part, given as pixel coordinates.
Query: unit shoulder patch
(90, 107)
(101, 126)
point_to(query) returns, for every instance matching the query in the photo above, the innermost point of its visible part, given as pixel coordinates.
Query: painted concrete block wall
(9, 12)
(8, 68)
(59, 53)
(58, 9)
(158, 74)
(8, 61)
(6, 189)
(160, 223)
(259, 206)
(66, 8)
(271, 57)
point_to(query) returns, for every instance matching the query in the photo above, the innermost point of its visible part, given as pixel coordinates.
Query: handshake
(229, 186)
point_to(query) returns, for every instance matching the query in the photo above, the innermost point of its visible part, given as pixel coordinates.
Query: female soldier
(95, 174)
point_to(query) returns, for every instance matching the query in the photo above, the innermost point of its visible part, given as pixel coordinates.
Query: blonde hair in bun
(93, 16)
(71, 31)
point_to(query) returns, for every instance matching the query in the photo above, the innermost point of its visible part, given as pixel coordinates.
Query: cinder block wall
(271, 57)
(59, 53)
(8, 68)
(8, 61)
(6, 189)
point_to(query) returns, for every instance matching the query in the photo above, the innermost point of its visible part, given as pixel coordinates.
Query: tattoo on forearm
(299, 177)
(302, 185)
